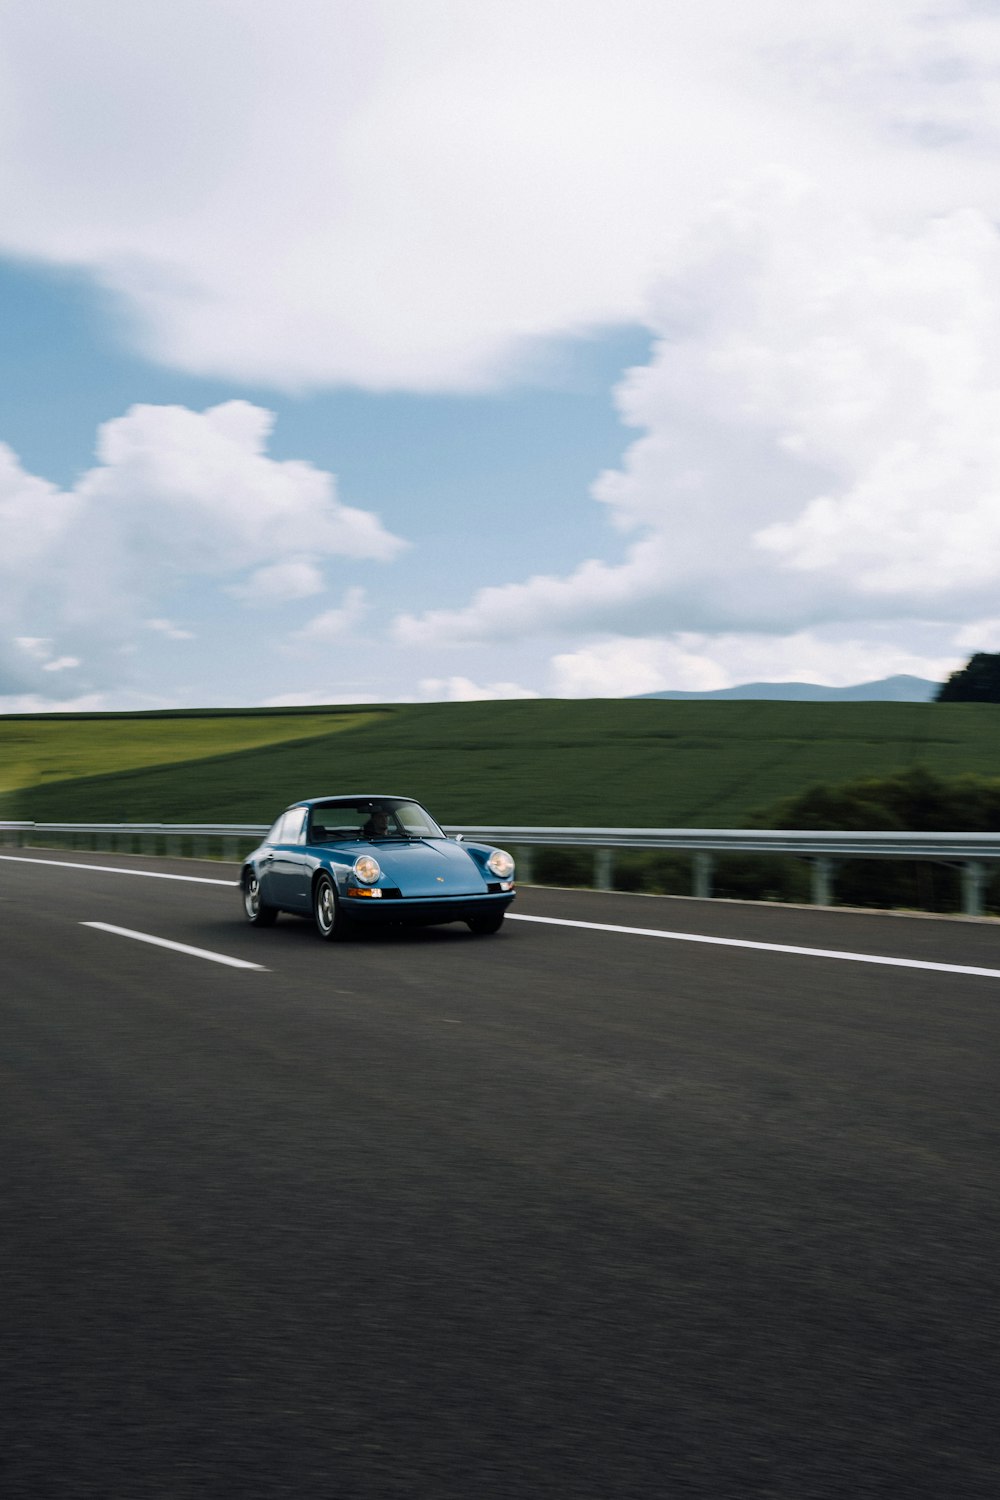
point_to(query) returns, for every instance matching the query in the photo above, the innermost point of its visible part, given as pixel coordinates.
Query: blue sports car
(374, 858)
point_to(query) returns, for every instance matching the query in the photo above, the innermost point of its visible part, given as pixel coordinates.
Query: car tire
(328, 914)
(487, 923)
(257, 913)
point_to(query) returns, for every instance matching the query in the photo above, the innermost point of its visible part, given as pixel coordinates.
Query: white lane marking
(68, 864)
(690, 937)
(520, 916)
(145, 937)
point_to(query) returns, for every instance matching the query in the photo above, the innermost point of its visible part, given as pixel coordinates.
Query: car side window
(292, 825)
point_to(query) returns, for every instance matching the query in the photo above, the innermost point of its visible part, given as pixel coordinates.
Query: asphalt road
(566, 1212)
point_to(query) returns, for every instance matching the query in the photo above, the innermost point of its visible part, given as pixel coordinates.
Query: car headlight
(367, 869)
(500, 864)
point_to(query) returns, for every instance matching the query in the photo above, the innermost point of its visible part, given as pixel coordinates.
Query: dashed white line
(157, 942)
(69, 864)
(691, 937)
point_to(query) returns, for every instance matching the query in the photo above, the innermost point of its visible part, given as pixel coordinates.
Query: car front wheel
(331, 923)
(258, 914)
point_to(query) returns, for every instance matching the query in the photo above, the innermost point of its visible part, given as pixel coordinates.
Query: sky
(420, 350)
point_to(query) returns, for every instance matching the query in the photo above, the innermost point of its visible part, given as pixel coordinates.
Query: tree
(914, 799)
(977, 682)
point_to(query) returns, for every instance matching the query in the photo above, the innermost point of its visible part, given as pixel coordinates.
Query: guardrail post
(523, 862)
(603, 869)
(822, 880)
(973, 880)
(702, 869)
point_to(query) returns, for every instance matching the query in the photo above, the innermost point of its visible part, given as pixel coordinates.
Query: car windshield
(372, 818)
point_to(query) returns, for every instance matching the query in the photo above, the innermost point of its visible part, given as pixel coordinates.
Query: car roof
(337, 798)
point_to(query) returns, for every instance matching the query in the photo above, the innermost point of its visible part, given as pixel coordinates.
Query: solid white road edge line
(69, 864)
(690, 937)
(519, 916)
(144, 937)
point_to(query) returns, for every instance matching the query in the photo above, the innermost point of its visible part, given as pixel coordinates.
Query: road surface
(567, 1212)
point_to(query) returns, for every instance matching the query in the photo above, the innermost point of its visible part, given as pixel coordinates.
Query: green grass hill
(610, 762)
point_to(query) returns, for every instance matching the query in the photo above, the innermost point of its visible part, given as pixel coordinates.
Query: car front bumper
(424, 910)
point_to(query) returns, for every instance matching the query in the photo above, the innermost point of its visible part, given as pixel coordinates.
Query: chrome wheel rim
(251, 896)
(326, 910)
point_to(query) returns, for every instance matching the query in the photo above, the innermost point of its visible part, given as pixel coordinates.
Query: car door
(286, 883)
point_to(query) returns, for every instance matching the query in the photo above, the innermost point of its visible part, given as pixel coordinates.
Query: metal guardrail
(972, 853)
(195, 840)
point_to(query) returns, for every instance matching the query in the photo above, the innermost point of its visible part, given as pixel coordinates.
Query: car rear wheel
(258, 914)
(489, 922)
(331, 923)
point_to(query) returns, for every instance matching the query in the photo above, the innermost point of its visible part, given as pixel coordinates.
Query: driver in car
(378, 824)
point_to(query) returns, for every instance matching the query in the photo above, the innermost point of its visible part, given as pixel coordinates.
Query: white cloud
(319, 696)
(464, 690)
(197, 490)
(624, 668)
(33, 514)
(168, 629)
(979, 635)
(820, 437)
(333, 624)
(82, 703)
(35, 646)
(176, 495)
(896, 385)
(39, 649)
(399, 192)
(37, 703)
(296, 579)
(703, 663)
(800, 201)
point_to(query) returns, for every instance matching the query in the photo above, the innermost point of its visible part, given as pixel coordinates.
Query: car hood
(429, 867)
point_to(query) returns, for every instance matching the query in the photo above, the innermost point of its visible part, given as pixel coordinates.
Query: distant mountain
(901, 689)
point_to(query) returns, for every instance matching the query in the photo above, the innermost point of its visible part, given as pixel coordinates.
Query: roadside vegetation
(914, 800)
(598, 762)
(601, 763)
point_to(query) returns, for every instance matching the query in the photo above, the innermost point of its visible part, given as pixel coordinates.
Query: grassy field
(57, 748)
(612, 762)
